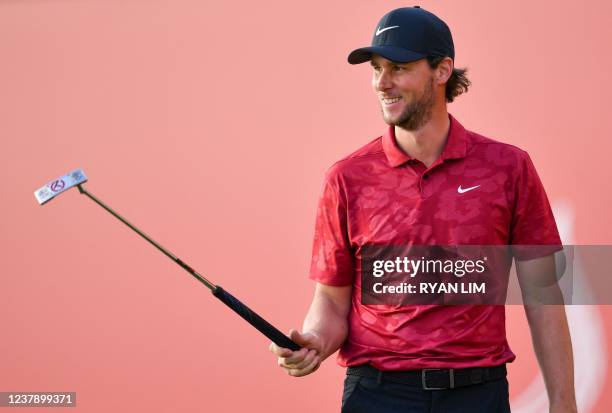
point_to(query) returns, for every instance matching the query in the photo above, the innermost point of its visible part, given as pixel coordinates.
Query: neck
(425, 144)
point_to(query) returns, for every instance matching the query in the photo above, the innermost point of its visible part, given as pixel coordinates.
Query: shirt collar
(455, 147)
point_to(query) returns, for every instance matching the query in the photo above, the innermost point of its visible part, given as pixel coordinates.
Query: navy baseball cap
(407, 34)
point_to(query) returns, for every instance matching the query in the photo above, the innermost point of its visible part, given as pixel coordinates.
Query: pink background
(210, 126)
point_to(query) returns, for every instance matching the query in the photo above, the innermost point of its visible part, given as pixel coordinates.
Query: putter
(78, 178)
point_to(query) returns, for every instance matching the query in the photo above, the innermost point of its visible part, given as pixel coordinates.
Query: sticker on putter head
(56, 187)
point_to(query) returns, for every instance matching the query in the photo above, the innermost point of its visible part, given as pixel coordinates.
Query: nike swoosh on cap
(464, 190)
(379, 30)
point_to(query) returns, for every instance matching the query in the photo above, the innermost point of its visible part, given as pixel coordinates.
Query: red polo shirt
(380, 195)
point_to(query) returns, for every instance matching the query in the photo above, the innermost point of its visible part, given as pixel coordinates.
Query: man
(426, 181)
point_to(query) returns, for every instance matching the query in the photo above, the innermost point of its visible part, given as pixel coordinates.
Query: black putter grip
(254, 319)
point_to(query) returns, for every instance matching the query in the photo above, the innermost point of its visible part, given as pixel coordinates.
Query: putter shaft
(232, 302)
(167, 253)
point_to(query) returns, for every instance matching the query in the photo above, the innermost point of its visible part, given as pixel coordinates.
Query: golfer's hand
(304, 361)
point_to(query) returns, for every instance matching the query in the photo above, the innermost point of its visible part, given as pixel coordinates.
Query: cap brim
(393, 53)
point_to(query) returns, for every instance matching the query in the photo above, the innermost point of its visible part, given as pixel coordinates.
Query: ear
(444, 70)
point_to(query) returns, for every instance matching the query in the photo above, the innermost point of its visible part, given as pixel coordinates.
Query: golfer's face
(397, 85)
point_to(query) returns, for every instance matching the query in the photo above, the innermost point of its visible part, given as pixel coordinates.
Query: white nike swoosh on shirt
(379, 30)
(464, 190)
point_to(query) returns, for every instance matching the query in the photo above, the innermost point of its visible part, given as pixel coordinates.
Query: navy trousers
(367, 395)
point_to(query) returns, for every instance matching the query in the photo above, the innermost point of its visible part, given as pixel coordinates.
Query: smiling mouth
(390, 101)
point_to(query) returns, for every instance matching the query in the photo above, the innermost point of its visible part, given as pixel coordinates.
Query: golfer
(426, 181)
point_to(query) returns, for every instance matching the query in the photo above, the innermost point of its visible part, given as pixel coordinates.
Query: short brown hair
(458, 82)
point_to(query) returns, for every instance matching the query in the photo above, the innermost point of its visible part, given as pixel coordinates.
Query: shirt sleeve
(533, 232)
(332, 258)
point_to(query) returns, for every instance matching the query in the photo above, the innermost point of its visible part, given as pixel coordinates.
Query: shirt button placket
(423, 181)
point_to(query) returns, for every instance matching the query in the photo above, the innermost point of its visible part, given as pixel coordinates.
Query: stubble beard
(418, 113)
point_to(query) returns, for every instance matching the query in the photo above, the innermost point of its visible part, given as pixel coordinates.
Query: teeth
(390, 101)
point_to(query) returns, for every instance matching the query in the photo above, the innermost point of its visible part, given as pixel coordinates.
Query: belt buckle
(451, 375)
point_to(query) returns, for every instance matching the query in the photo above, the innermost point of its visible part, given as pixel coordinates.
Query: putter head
(59, 185)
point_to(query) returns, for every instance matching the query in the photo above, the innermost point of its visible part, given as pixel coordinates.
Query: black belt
(432, 379)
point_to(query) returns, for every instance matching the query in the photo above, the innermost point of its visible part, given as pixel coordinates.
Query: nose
(382, 80)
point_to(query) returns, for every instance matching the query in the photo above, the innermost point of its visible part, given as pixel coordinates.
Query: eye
(398, 68)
